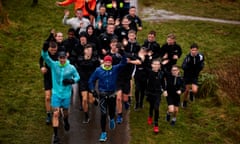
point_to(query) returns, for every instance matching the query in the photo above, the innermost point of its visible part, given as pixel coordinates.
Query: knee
(194, 90)
(171, 109)
(119, 99)
(84, 100)
(47, 98)
(176, 111)
(56, 113)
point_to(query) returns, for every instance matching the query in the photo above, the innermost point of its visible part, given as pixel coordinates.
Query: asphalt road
(80, 133)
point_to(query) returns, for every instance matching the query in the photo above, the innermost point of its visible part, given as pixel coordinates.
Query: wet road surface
(80, 133)
(151, 14)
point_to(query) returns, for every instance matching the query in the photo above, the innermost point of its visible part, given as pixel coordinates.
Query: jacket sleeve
(179, 51)
(123, 62)
(201, 59)
(185, 63)
(50, 38)
(139, 22)
(76, 76)
(164, 82)
(92, 80)
(182, 85)
(91, 9)
(41, 62)
(47, 58)
(67, 2)
(65, 20)
(157, 50)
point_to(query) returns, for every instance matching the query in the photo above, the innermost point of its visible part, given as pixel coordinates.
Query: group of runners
(101, 54)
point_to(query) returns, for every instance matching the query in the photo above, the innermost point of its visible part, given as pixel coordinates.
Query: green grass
(22, 111)
(203, 122)
(223, 9)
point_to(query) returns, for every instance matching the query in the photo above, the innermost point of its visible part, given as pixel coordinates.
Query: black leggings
(154, 106)
(140, 87)
(107, 104)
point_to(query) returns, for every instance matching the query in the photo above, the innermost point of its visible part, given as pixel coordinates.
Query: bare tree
(4, 20)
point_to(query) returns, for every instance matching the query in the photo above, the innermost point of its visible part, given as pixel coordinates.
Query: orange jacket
(80, 4)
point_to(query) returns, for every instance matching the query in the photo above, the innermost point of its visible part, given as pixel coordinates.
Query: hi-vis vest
(111, 6)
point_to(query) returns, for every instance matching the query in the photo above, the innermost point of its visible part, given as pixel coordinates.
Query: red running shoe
(155, 129)
(150, 121)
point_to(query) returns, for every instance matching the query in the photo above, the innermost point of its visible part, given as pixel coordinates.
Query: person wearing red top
(81, 4)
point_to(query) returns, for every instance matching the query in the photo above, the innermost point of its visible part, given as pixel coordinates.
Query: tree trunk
(3, 16)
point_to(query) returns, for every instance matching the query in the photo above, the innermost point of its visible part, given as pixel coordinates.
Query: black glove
(68, 81)
(45, 46)
(94, 93)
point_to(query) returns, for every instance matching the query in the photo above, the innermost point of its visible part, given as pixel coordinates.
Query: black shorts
(47, 81)
(191, 80)
(173, 99)
(83, 86)
(124, 85)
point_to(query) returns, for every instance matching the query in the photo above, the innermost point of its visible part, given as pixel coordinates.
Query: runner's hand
(44, 70)
(165, 94)
(94, 93)
(179, 92)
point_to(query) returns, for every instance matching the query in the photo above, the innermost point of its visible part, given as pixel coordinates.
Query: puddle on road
(150, 14)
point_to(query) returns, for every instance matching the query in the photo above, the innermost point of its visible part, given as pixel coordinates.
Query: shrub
(228, 77)
(207, 85)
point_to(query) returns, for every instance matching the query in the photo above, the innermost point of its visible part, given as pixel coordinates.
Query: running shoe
(103, 137)
(48, 119)
(56, 140)
(86, 120)
(66, 126)
(155, 129)
(149, 121)
(112, 124)
(119, 119)
(173, 123)
(136, 107)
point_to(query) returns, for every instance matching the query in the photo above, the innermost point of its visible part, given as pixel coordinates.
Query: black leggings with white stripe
(107, 104)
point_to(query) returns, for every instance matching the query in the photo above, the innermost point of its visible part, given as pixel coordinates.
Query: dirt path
(150, 14)
(89, 133)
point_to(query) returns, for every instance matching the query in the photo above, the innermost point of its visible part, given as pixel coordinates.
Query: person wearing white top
(76, 22)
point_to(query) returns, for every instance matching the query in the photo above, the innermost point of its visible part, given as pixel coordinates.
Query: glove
(45, 46)
(94, 93)
(68, 81)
